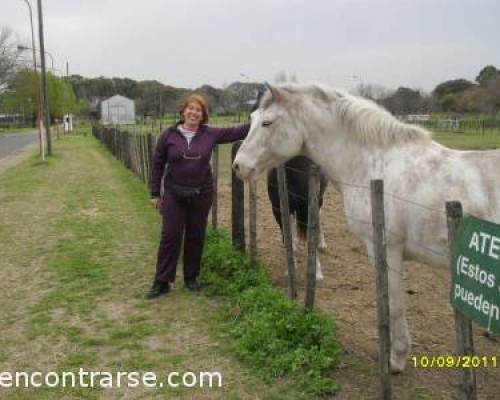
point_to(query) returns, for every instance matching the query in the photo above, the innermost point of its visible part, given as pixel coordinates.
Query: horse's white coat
(355, 141)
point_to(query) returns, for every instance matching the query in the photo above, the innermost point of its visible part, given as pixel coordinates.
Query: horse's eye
(267, 123)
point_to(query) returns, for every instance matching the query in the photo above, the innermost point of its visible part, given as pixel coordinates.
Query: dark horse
(297, 177)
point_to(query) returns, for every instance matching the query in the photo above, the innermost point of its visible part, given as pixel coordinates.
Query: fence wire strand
(139, 154)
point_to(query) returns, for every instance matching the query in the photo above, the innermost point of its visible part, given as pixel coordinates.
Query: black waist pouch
(186, 193)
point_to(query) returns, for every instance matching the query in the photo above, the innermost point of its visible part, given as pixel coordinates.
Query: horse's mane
(370, 123)
(362, 119)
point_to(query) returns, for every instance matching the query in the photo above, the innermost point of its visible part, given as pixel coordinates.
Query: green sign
(475, 290)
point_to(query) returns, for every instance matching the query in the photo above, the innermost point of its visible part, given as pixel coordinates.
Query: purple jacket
(189, 165)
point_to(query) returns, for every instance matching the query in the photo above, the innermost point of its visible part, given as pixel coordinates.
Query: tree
(405, 101)
(487, 76)
(155, 98)
(474, 99)
(24, 94)
(372, 92)
(450, 94)
(9, 56)
(452, 87)
(62, 99)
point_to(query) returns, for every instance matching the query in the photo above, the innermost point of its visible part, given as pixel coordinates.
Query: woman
(186, 149)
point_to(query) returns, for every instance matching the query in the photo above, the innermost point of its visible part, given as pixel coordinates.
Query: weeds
(272, 334)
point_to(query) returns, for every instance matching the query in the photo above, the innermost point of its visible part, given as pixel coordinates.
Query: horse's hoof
(319, 277)
(397, 367)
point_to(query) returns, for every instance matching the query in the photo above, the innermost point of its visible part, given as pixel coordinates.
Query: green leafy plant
(274, 335)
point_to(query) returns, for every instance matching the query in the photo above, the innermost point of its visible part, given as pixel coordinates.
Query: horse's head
(273, 137)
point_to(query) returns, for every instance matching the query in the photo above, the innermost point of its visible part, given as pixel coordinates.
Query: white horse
(355, 141)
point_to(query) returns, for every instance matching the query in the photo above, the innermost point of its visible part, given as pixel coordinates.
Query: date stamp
(449, 361)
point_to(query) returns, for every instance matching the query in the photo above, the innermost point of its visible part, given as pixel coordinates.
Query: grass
(4, 130)
(78, 250)
(270, 332)
(468, 140)
(79, 128)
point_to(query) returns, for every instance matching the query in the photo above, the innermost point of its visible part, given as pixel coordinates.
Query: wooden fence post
(115, 138)
(252, 220)
(117, 143)
(136, 155)
(146, 157)
(121, 138)
(382, 286)
(238, 205)
(129, 154)
(143, 158)
(463, 326)
(287, 232)
(312, 236)
(106, 134)
(124, 148)
(215, 169)
(151, 149)
(111, 138)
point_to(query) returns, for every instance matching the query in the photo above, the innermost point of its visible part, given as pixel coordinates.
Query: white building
(117, 110)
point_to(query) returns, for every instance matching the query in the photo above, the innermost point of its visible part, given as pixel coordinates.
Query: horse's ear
(277, 94)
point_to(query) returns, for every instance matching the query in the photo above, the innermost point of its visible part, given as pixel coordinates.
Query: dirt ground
(348, 293)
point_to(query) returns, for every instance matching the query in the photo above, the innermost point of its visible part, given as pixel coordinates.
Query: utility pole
(40, 113)
(44, 80)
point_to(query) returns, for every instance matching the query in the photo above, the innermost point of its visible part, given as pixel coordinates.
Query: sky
(338, 43)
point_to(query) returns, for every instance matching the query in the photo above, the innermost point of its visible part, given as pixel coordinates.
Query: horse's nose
(242, 171)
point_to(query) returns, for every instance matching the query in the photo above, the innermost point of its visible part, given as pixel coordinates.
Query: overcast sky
(187, 43)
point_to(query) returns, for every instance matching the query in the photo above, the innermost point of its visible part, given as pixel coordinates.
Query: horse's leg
(321, 243)
(295, 236)
(301, 233)
(400, 336)
(293, 231)
(319, 273)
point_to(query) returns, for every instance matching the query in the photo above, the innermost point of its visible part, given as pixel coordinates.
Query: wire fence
(135, 150)
(481, 126)
(303, 196)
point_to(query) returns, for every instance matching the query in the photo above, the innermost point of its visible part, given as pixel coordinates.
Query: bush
(273, 335)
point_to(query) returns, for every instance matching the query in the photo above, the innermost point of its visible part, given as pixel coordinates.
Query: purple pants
(180, 217)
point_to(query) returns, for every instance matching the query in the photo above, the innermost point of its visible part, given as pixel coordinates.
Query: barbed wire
(365, 187)
(392, 234)
(137, 161)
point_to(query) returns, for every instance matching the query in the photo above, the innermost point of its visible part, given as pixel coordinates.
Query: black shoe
(194, 285)
(158, 289)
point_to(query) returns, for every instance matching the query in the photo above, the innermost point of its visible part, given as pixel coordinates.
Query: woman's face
(193, 114)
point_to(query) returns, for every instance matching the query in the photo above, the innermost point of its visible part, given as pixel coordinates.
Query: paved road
(13, 142)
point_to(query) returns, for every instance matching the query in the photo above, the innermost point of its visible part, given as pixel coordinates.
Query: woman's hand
(155, 202)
